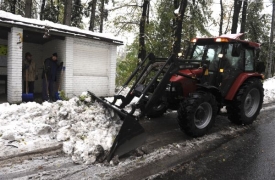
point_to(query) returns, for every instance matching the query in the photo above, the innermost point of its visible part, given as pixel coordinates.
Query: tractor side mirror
(236, 50)
(260, 67)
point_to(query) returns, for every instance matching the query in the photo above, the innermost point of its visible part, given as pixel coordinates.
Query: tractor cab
(228, 58)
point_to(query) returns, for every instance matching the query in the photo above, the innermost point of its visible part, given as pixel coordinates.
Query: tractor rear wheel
(197, 113)
(247, 102)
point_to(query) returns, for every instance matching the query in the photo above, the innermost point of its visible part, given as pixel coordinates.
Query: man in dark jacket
(49, 76)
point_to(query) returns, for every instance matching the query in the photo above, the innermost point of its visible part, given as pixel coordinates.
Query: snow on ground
(269, 90)
(86, 128)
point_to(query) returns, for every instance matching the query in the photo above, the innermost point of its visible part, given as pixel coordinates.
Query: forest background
(126, 19)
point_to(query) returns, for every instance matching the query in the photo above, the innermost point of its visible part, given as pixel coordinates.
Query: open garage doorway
(3, 63)
(40, 49)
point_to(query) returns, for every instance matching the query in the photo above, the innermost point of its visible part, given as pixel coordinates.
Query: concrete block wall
(90, 58)
(97, 85)
(14, 69)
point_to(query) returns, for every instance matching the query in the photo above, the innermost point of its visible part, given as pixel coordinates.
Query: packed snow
(18, 19)
(86, 128)
(269, 90)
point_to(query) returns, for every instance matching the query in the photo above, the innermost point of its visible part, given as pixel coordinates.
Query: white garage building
(89, 58)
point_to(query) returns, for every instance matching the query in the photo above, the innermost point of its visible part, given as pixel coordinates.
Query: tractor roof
(228, 38)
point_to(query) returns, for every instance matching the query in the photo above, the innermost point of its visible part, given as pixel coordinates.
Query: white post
(14, 69)
(68, 63)
(112, 69)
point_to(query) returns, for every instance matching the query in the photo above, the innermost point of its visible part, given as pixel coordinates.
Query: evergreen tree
(258, 26)
(51, 11)
(77, 14)
(159, 35)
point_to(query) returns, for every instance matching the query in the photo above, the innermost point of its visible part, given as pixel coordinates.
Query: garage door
(90, 61)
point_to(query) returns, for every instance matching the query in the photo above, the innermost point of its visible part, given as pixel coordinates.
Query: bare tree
(269, 63)
(142, 50)
(67, 12)
(28, 8)
(179, 18)
(243, 23)
(221, 20)
(42, 10)
(12, 5)
(101, 16)
(237, 8)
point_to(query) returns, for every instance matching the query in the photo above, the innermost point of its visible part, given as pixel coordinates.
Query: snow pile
(269, 90)
(86, 128)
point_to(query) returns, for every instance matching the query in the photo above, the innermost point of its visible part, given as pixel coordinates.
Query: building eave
(5, 22)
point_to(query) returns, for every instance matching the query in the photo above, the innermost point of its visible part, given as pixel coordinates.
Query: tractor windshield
(214, 53)
(208, 52)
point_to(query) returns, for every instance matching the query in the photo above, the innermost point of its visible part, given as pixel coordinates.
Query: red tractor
(214, 72)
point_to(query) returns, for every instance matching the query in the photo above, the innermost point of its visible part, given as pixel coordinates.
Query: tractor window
(249, 60)
(208, 52)
(198, 52)
(235, 62)
(212, 52)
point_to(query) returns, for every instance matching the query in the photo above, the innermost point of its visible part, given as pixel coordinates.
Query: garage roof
(11, 20)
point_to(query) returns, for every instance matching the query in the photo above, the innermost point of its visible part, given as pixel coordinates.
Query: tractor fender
(238, 82)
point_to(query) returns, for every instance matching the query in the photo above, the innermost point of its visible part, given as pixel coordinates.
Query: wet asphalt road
(249, 156)
(228, 152)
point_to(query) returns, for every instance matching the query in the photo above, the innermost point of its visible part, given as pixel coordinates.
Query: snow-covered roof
(17, 20)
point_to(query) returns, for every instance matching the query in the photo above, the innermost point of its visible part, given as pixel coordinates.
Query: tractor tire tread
(235, 110)
(187, 110)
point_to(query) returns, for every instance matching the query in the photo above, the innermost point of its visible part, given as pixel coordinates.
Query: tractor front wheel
(197, 113)
(247, 103)
(158, 110)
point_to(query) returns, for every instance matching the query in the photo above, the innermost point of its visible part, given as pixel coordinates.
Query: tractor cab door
(209, 52)
(226, 63)
(231, 66)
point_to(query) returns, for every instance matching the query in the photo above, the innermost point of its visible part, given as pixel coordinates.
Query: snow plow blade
(131, 134)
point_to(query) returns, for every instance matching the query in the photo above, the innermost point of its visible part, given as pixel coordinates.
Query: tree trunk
(142, 50)
(92, 19)
(101, 16)
(269, 63)
(237, 8)
(179, 18)
(58, 9)
(42, 10)
(176, 6)
(221, 20)
(12, 5)
(28, 8)
(67, 12)
(243, 23)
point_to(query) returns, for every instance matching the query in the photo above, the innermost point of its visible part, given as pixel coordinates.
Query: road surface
(166, 148)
